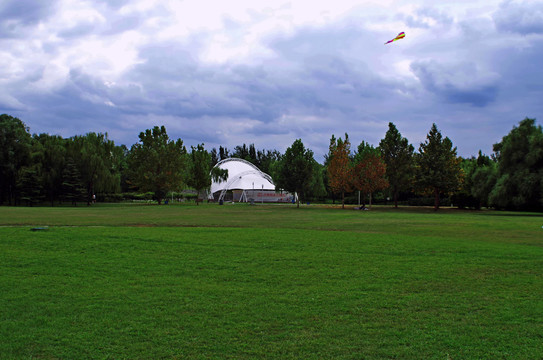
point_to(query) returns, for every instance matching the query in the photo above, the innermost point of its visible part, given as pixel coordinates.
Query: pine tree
(72, 185)
(438, 166)
(397, 154)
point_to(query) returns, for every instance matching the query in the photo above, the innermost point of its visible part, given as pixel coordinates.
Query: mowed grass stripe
(166, 292)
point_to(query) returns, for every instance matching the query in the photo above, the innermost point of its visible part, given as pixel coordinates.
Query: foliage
(73, 189)
(262, 159)
(479, 179)
(369, 170)
(398, 156)
(94, 157)
(519, 182)
(15, 145)
(438, 166)
(200, 174)
(296, 170)
(157, 163)
(340, 169)
(53, 161)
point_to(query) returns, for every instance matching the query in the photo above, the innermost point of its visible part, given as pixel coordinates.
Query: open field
(243, 282)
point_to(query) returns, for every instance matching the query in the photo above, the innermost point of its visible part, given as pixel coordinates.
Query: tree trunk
(436, 199)
(343, 199)
(297, 200)
(370, 200)
(396, 198)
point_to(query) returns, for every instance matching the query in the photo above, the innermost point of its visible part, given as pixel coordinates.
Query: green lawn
(245, 282)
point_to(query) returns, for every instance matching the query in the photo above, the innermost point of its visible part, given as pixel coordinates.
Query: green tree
(519, 182)
(438, 166)
(30, 181)
(29, 184)
(369, 174)
(94, 156)
(483, 179)
(157, 163)
(73, 189)
(296, 170)
(478, 180)
(53, 161)
(316, 188)
(15, 146)
(200, 174)
(340, 168)
(397, 154)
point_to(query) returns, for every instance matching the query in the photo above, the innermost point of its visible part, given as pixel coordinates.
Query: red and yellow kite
(400, 36)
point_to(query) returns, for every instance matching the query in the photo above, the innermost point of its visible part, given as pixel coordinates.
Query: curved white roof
(242, 175)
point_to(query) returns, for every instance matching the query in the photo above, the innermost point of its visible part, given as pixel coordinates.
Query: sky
(269, 72)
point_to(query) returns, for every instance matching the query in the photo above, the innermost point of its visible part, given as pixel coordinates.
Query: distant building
(245, 182)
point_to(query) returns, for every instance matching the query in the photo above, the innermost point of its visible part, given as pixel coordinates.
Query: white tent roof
(242, 175)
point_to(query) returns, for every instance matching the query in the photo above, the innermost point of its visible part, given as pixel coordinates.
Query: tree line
(43, 168)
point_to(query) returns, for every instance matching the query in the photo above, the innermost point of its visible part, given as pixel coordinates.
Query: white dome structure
(246, 182)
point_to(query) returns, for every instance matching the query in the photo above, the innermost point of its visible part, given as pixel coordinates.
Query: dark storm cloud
(523, 18)
(457, 83)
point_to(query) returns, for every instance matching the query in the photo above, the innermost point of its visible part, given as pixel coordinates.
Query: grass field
(246, 282)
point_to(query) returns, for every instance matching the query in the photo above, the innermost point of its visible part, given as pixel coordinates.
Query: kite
(400, 36)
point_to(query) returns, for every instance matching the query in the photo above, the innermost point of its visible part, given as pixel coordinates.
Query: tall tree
(214, 157)
(200, 172)
(340, 169)
(94, 157)
(295, 170)
(73, 189)
(53, 162)
(29, 184)
(483, 179)
(157, 163)
(224, 153)
(398, 156)
(520, 168)
(369, 170)
(438, 166)
(15, 144)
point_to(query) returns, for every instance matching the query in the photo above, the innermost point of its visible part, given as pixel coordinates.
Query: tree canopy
(438, 166)
(340, 168)
(200, 173)
(398, 157)
(519, 183)
(296, 170)
(369, 172)
(156, 163)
